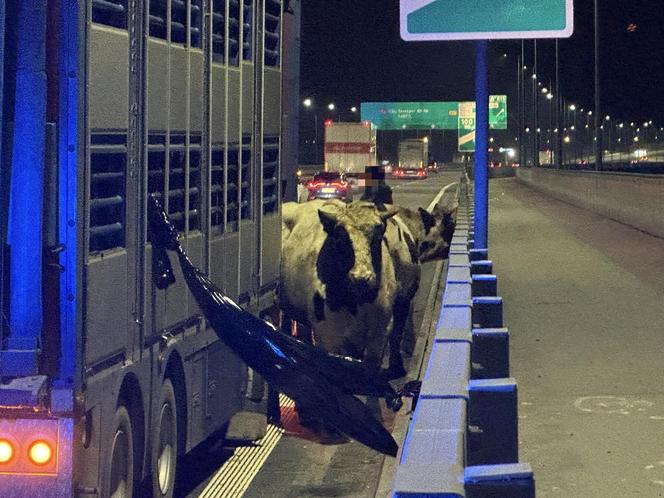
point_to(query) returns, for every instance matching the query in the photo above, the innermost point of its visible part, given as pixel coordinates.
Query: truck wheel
(165, 443)
(120, 480)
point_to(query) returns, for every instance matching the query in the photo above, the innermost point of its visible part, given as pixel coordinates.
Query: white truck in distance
(349, 147)
(413, 153)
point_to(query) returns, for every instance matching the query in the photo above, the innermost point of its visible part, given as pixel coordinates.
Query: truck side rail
(463, 439)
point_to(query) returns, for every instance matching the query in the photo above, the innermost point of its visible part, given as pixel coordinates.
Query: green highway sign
(467, 127)
(426, 20)
(428, 115)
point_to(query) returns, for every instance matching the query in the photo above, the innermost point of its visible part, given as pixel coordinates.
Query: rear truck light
(7, 451)
(40, 453)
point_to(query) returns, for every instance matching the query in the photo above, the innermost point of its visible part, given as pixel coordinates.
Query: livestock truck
(413, 153)
(349, 147)
(106, 379)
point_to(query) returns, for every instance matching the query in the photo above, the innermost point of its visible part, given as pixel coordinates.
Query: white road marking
(234, 477)
(437, 198)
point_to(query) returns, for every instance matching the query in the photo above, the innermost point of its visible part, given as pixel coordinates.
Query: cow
(414, 237)
(337, 276)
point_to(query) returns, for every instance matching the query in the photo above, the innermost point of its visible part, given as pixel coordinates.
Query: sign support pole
(481, 144)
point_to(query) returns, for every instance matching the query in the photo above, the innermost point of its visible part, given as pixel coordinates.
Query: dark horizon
(352, 53)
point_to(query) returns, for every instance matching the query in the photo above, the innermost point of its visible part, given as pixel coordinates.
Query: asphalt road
(584, 303)
(299, 465)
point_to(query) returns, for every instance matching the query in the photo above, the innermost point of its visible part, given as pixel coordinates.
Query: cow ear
(328, 220)
(388, 213)
(428, 220)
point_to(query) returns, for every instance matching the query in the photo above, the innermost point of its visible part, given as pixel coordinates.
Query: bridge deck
(584, 303)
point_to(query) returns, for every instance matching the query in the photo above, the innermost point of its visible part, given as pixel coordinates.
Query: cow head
(439, 228)
(356, 234)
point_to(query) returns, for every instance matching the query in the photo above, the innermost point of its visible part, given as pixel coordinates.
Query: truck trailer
(413, 153)
(107, 379)
(349, 147)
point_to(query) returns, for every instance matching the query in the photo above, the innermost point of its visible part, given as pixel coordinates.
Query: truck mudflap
(36, 457)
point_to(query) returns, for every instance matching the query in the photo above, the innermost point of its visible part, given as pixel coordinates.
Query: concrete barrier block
(457, 295)
(441, 414)
(481, 267)
(448, 371)
(455, 318)
(490, 481)
(459, 275)
(487, 312)
(490, 354)
(484, 285)
(459, 260)
(458, 239)
(429, 480)
(493, 424)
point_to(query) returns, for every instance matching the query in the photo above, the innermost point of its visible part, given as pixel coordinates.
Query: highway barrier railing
(463, 439)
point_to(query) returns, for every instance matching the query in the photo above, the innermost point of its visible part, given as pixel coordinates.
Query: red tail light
(40, 452)
(7, 451)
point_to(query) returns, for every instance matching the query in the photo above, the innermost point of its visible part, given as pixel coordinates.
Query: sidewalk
(584, 303)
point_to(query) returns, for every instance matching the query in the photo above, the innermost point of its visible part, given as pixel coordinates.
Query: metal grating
(245, 192)
(247, 30)
(234, 32)
(270, 174)
(232, 197)
(272, 38)
(177, 185)
(217, 203)
(110, 12)
(218, 30)
(108, 162)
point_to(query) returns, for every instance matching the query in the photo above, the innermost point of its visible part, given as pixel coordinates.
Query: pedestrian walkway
(584, 303)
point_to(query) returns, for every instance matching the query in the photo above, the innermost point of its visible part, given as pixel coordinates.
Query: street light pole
(535, 110)
(598, 113)
(559, 141)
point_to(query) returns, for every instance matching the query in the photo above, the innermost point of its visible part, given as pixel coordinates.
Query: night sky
(352, 52)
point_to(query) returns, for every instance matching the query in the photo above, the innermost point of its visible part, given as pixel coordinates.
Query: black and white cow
(337, 276)
(414, 237)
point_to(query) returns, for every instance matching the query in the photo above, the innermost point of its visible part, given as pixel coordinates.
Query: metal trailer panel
(108, 72)
(271, 103)
(106, 307)
(158, 86)
(218, 111)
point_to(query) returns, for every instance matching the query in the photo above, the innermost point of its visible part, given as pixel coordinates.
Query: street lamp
(331, 106)
(307, 102)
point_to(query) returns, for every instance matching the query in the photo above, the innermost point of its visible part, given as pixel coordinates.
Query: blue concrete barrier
(463, 440)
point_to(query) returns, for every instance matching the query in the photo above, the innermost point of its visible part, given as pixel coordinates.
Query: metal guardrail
(463, 439)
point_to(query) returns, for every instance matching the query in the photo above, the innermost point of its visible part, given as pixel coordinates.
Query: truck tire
(165, 443)
(120, 479)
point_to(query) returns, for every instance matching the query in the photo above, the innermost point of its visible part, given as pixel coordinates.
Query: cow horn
(328, 219)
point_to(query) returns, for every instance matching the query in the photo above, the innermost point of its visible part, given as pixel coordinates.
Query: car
(433, 167)
(419, 173)
(329, 185)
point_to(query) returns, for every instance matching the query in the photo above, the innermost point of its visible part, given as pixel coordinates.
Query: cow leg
(401, 312)
(409, 336)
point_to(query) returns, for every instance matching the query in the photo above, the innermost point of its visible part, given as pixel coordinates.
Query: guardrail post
(490, 354)
(484, 285)
(493, 424)
(479, 254)
(490, 481)
(487, 312)
(481, 267)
